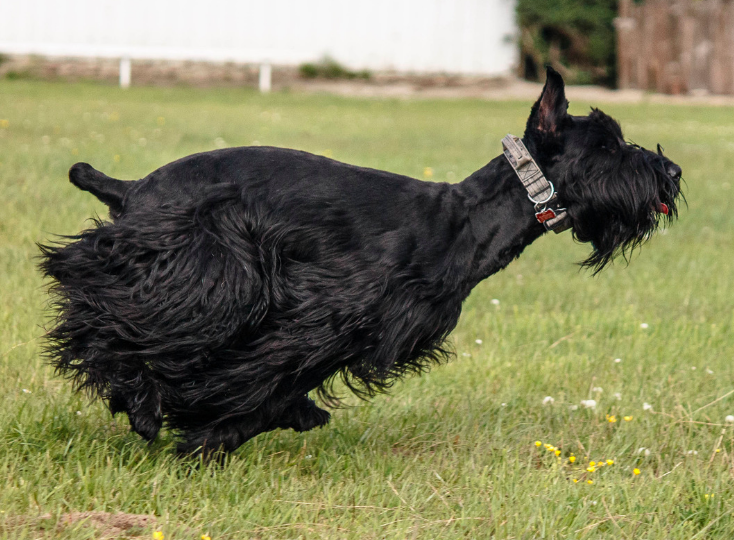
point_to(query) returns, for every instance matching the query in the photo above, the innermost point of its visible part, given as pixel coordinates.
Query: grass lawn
(451, 454)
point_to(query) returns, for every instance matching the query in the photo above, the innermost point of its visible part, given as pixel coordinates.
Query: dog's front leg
(303, 415)
(137, 396)
(228, 435)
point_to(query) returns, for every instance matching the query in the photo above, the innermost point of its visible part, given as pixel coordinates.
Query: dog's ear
(549, 112)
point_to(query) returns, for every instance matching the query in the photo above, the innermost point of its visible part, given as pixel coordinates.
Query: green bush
(328, 68)
(574, 36)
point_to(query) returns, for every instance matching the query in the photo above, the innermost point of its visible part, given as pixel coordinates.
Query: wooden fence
(676, 46)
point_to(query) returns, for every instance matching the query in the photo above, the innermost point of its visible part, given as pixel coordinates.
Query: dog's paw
(145, 425)
(146, 419)
(309, 417)
(320, 417)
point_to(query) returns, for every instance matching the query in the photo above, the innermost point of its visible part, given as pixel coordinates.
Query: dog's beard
(620, 209)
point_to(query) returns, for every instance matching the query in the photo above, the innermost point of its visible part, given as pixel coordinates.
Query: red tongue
(663, 208)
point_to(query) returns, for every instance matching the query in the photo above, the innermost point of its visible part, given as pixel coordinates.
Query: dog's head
(616, 193)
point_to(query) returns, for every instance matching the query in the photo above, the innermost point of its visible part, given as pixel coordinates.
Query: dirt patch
(380, 85)
(105, 524)
(496, 90)
(111, 525)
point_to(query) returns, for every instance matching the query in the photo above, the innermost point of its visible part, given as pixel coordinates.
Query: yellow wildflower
(538, 443)
(718, 450)
(558, 452)
(628, 418)
(428, 172)
(610, 462)
(591, 468)
(592, 463)
(636, 471)
(572, 459)
(589, 482)
(611, 419)
(575, 481)
(158, 535)
(206, 537)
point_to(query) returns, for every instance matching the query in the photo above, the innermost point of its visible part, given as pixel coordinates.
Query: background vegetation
(448, 455)
(576, 37)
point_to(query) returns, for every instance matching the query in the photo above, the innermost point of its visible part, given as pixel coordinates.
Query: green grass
(450, 454)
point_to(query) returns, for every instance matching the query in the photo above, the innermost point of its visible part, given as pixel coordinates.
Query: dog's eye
(609, 147)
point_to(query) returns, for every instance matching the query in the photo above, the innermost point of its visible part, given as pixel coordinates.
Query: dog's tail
(108, 190)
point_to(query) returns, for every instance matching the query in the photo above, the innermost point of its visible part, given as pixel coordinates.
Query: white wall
(452, 36)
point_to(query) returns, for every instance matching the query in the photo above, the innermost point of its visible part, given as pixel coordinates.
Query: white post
(126, 69)
(266, 78)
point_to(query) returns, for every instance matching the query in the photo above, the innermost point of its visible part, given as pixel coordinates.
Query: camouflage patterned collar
(540, 190)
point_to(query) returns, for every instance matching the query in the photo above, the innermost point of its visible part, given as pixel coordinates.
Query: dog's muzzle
(540, 190)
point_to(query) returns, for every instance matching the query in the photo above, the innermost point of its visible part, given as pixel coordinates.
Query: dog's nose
(673, 171)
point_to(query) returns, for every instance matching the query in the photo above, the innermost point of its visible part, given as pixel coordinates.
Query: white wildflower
(573, 407)
(644, 326)
(548, 400)
(478, 341)
(617, 360)
(597, 389)
(729, 419)
(588, 403)
(618, 396)
(646, 406)
(495, 302)
(26, 391)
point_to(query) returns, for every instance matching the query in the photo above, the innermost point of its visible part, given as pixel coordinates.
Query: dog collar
(540, 190)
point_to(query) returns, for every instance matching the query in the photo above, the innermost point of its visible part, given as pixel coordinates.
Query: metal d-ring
(553, 192)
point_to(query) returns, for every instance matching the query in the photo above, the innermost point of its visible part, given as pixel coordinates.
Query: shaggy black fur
(232, 283)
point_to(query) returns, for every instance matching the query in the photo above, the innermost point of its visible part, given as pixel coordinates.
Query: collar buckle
(545, 215)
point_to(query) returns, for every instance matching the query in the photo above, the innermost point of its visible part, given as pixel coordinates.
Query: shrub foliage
(576, 37)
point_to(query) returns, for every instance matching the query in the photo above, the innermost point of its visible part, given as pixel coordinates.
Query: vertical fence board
(676, 46)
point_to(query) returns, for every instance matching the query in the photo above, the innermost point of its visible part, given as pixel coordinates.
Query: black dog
(232, 283)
